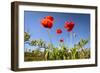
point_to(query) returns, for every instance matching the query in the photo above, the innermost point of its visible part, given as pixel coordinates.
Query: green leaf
(26, 36)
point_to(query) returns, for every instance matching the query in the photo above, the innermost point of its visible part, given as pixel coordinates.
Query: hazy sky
(37, 31)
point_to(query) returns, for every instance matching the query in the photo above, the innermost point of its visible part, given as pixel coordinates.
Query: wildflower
(47, 22)
(58, 31)
(61, 40)
(49, 17)
(69, 26)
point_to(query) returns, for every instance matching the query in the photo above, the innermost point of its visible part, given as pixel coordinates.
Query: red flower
(49, 17)
(58, 31)
(61, 40)
(47, 22)
(69, 26)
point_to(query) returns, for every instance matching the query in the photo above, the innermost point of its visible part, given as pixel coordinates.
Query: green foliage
(82, 43)
(26, 36)
(61, 53)
(40, 43)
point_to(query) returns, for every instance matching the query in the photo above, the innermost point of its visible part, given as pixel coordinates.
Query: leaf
(26, 36)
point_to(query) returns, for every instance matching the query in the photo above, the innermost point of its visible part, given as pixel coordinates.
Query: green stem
(70, 39)
(73, 56)
(66, 43)
(50, 39)
(60, 43)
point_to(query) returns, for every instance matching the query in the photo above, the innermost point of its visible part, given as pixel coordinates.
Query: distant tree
(26, 36)
(40, 43)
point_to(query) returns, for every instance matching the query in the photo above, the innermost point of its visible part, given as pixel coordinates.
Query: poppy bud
(58, 31)
(61, 40)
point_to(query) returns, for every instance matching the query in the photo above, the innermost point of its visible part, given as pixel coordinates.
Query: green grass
(57, 54)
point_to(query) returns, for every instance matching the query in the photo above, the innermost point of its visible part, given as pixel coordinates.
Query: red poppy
(69, 26)
(58, 31)
(47, 23)
(61, 40)
(49, 17)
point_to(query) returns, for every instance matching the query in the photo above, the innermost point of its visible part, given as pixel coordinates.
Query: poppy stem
(66, 42)
(70, 39)
(50, 39)
(59, 43)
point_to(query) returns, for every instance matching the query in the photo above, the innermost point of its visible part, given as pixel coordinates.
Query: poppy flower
(47, 23)
(69, 26)
(61, 40)
(58, 31)
(49, 17)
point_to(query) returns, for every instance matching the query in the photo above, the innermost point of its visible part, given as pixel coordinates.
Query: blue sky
(37, 31)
